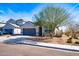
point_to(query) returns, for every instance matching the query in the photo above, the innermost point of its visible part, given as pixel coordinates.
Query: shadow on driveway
(20, 41)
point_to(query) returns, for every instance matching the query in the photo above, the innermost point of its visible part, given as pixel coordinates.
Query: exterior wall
(17, 31)
(37, 31)
(14, 30)
(28, 25)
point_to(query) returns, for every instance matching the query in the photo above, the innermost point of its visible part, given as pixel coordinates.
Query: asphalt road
(27, 50)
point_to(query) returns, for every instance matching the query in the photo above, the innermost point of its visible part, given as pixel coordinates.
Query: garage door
(30, 32)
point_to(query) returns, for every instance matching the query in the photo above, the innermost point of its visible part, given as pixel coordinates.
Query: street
(27, 50)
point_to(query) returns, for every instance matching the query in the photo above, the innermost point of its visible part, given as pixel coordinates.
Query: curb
(54, 46)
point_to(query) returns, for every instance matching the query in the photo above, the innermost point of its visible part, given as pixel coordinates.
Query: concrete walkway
(41, 44)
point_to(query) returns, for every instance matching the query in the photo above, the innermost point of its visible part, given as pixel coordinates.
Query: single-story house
(10, 28)
(22, 27)
(29, 28)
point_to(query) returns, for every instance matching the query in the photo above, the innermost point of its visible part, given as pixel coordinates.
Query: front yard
(54, 40)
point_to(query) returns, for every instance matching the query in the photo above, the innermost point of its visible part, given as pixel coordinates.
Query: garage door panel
(30, 32)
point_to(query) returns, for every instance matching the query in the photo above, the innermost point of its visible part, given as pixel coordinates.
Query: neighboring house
(11, 21)
(20, 22)
(30, 29)
(10, 28)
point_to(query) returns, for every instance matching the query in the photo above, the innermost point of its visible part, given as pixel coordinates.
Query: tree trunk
(40, 31)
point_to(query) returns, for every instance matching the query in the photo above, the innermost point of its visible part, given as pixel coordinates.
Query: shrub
(69, 40)
(68, 33)
(76, 42)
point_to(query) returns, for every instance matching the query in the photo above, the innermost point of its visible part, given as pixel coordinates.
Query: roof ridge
(14, 25)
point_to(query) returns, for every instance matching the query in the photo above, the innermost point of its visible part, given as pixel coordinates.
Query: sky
(27, 11)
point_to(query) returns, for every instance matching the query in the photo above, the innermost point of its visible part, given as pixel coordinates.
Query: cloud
(2, 12)
(14, 15)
